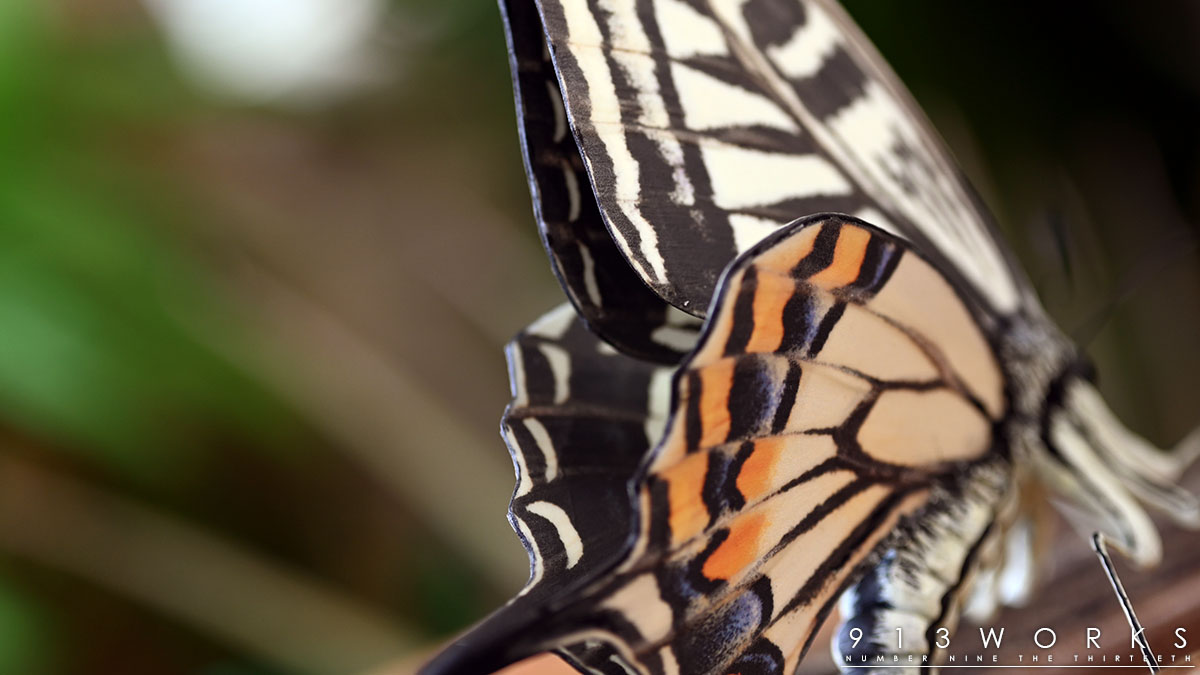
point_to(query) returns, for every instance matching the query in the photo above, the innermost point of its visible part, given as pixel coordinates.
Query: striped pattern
(582, 418)
(843, 412)
(870, 411)
(704, 125)
(810, 422)
(775, 479)
(614, 301)
(580, 422)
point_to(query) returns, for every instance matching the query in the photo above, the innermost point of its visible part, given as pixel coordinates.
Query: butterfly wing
(840, 386)
(580, 423)
(614, 302)
(705, 125)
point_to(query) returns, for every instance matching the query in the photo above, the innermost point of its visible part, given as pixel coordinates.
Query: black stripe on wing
(792, 454)
(577, 429)
(706, 125)
(610, 296)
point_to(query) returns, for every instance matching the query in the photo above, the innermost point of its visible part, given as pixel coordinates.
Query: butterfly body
(749, 412)
(918, 583)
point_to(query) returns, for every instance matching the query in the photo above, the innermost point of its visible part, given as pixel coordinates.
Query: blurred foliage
(98, 299)
(25, 634)
(156, 241)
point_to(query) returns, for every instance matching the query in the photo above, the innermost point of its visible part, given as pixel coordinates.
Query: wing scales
(609, 295)
(755, 526)
(844, 388)
(580, 422)
(704, 125)
(767, 492)
(577, 430)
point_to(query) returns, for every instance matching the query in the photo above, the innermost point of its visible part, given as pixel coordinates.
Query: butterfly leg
(1103, 469)
(1099, 546)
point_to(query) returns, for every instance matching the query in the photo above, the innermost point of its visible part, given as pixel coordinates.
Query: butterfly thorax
(1040, 363)
(1060, 424)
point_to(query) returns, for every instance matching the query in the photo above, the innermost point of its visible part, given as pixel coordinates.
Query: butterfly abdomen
(908, 604)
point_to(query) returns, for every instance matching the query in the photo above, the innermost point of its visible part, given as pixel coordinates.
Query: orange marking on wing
(848, 257)
(739, 549)
(685, 488)
(770, 296)
(715, 382)
(542, 664)
(788, 253)
(754, 480)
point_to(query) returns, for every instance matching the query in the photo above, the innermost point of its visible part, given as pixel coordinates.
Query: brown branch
(277, 614)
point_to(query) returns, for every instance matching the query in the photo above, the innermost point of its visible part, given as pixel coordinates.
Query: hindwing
(582, 418)
(790, 455)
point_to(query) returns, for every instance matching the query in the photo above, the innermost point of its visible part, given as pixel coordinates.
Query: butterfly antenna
(1170, 250)
(1122, 597)
(1062, 245)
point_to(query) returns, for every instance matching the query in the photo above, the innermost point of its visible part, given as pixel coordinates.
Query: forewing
(614, 302)
(706, 125)
(839, 381)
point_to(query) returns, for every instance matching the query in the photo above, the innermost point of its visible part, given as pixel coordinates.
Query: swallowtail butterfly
(748, 413)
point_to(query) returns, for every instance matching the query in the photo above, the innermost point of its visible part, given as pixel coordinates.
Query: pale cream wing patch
(809, 424)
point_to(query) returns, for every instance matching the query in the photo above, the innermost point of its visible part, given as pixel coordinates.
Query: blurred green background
(258, 260)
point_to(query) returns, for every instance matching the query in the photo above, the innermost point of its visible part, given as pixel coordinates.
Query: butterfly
(799, 370)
